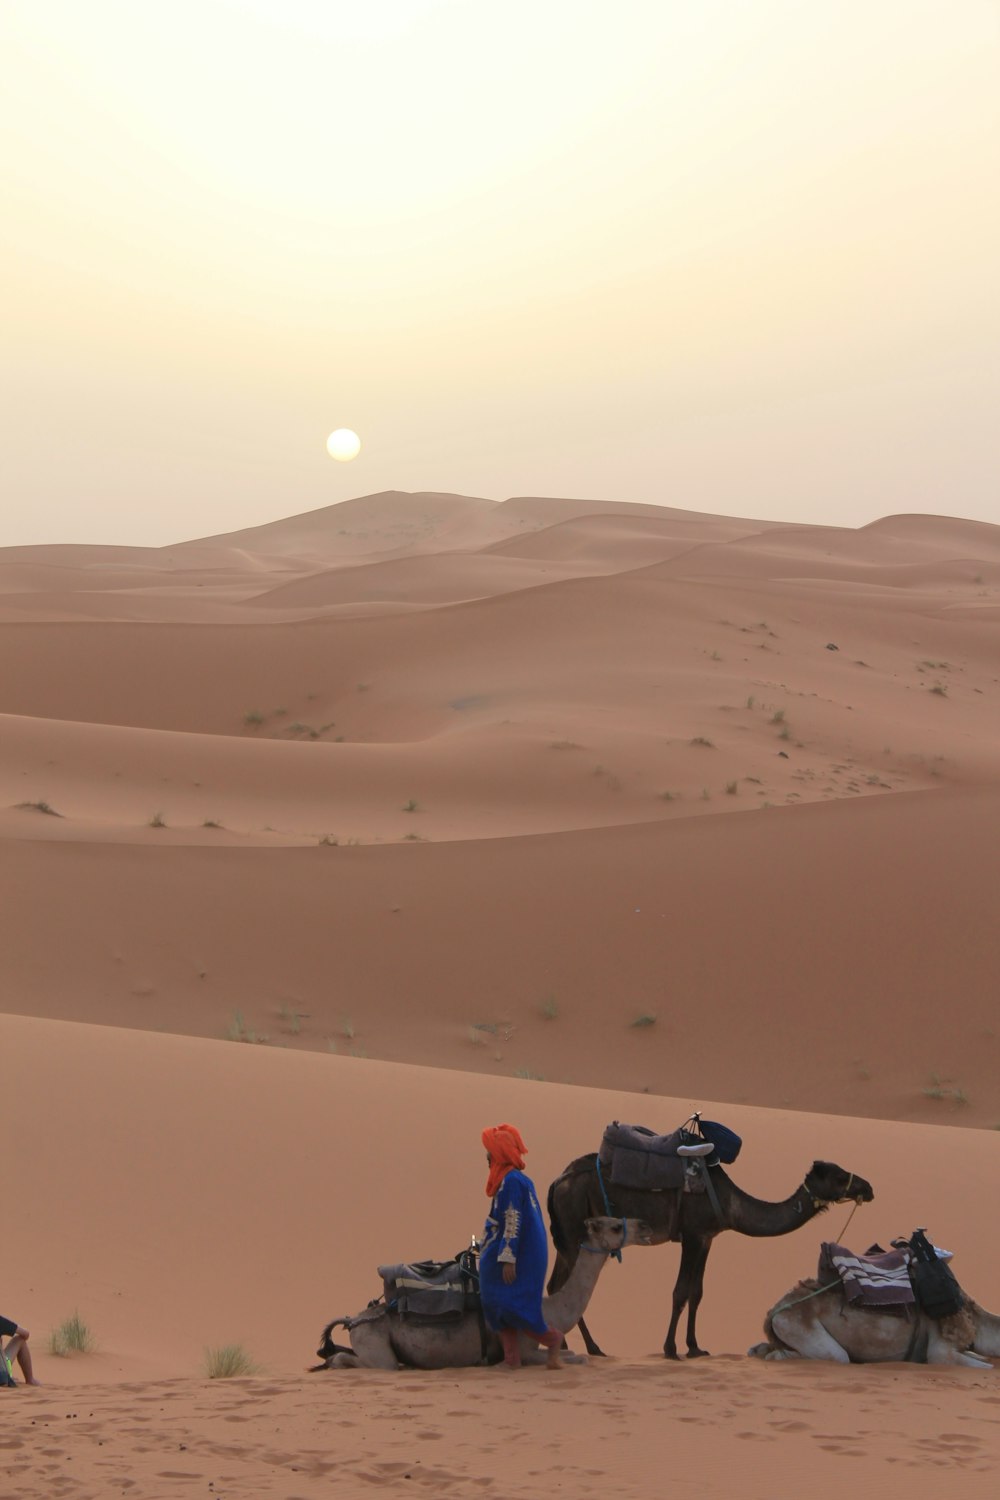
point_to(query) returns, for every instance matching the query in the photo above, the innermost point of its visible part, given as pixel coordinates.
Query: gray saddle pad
(429, 1289)
(635, 1157)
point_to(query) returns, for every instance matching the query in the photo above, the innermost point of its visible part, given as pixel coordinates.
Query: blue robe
(515, 1231)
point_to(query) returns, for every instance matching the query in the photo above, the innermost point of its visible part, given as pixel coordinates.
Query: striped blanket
(869, 1280)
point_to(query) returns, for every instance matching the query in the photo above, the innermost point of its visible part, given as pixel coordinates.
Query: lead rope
(607, 1206)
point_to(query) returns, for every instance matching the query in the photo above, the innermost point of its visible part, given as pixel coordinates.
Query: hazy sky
(733, 255)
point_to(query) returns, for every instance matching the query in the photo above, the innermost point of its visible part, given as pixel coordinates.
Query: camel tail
(327, 1348)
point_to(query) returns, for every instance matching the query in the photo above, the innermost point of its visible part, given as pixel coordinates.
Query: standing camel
(382, 1340)
(690, 1218)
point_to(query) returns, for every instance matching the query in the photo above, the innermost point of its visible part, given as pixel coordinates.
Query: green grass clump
(228, 1360)
(700, 739)
(937, 1089)
(71, 1337)
(253, 718)
(157, 821)
(644, 1020)
(732, 787)
(778, 717)
(412, 805)
(211, 823)
(239, 1031)
(549, 1008)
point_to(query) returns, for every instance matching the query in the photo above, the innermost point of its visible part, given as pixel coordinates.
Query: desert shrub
(228, 1360)
(71, 1337)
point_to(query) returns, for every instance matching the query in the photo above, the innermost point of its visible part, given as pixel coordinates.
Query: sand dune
(861, 937)
(325, 842)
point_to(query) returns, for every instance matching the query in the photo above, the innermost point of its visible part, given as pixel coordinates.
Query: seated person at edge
(515, 1251)
(16, 1349)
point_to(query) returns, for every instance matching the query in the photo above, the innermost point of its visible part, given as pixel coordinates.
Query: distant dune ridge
(522, 795)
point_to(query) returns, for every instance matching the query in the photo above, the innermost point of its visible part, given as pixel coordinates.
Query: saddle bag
(934, 1284)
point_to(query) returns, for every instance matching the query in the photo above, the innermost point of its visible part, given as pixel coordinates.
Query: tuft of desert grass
(548, 1008)
(239, 1031)
(71, 1337)
(253, 718)
(228, 1361)
(938, 1089)
(211, 823)
(412, 805)
(700, 739)
(644, 1020)
(157, 821)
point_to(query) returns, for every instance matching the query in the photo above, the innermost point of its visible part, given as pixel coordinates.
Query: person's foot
(554, 1362)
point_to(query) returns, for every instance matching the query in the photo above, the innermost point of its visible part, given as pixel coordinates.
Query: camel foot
(698, 1354)
(670, 1354)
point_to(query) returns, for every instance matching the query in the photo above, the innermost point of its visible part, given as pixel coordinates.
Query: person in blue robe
(514, 1255)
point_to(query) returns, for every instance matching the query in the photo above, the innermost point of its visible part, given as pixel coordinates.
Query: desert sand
(325, 843)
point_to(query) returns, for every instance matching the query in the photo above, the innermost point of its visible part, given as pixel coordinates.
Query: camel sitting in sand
(382, 1340)
(815, 1322)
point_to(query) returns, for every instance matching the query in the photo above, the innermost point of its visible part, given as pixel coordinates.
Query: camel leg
(373, 1346)
(806, 1338)
(688, 1286)
(694, 1301)
(941, 1352)
(342, 1360)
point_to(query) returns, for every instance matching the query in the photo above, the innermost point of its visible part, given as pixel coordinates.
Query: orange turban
(507, 1153)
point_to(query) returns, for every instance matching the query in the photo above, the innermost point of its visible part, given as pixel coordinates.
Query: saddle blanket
(635, 1157)
(429, 1289)
(881, 1280)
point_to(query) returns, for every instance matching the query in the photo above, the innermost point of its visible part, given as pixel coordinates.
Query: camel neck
(756, 1216)
(566, 1306)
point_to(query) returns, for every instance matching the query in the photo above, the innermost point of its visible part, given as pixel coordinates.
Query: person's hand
(509, 1273)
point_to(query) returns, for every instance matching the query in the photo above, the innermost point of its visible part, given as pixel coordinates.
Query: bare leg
(511, 1348)
(18, 1349)
(552, 1341)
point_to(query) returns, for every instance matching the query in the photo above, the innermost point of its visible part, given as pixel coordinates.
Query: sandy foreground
(325, 843)
(186, 1194)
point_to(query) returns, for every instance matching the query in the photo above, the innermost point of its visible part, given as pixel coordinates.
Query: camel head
(615, 1234)
(828, 1183)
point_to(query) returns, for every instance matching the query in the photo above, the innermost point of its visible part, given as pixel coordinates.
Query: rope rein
(607, 1206)
(796, 1300)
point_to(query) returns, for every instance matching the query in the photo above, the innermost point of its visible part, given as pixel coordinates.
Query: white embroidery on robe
(511, 1230)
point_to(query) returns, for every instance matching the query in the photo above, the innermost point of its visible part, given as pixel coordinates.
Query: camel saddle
(878, 1279)
(432, 1291)
(635, 1157)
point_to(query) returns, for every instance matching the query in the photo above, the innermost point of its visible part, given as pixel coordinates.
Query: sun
(343, 445)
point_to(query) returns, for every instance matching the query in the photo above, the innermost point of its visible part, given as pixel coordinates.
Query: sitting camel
(382, 1340)
(816, 1322)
